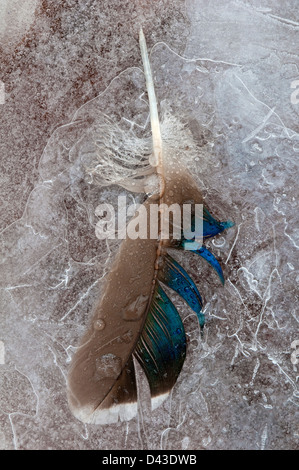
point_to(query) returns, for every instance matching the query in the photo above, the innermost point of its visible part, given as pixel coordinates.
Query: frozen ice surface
(228, 68)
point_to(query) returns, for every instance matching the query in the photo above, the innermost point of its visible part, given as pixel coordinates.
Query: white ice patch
(157, 401)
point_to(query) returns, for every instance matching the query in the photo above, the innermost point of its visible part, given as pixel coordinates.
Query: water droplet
(134, 310)
(99, 324)
(109, 366)
(127, 337)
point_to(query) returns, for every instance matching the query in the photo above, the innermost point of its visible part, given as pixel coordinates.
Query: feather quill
(135, 317)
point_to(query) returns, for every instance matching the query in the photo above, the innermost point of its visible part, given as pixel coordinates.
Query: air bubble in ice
(219, 242)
